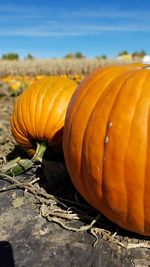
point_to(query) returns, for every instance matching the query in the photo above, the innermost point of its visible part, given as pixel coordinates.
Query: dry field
(50, 66)
(18, 74)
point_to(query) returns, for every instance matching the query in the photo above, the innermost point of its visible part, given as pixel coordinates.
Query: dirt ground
(45, 222)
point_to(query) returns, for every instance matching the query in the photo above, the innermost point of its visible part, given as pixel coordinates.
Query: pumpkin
(106, 144)
(39, 114)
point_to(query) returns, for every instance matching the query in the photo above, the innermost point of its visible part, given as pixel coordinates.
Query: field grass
(52, 66)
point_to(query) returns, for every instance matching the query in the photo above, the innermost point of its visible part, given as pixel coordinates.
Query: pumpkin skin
(106, 144)
(39, 112)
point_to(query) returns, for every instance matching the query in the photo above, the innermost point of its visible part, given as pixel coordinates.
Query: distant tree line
(78, 55)
(15, 56)
(137, 54)
(10, 56)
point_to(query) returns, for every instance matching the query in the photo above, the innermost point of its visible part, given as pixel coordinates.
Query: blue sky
(55, 28)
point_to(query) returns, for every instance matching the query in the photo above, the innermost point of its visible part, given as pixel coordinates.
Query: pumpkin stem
(40, 149)
(18, 166)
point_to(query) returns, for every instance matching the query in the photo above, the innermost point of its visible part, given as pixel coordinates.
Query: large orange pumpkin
(39, 112)
(106, 144)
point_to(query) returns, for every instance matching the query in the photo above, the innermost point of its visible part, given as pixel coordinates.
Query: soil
(34, 227)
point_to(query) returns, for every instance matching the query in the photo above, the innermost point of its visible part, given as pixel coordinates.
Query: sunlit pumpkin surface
(39, 112)
(107, 144)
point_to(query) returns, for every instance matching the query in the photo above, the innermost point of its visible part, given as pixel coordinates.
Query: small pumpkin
(106, 144)
(39, 114)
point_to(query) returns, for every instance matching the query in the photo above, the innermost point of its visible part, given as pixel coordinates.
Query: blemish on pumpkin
(106, 140)
(105, 157)
(110, 124)
(98, 168)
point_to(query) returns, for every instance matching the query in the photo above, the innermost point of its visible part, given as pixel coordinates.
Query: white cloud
(43, 11)
(47, 22)
(78, 30)
(108, 13)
